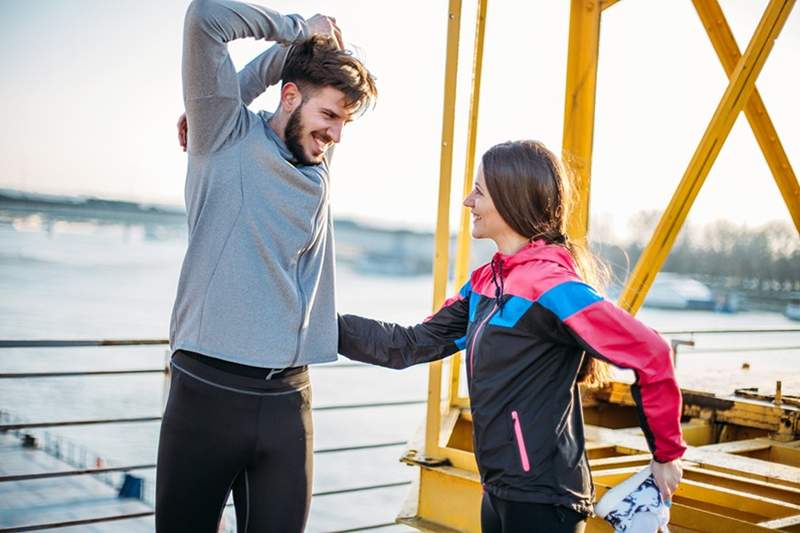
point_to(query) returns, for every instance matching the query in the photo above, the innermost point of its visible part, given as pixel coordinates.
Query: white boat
(792, 310)
(675, 291)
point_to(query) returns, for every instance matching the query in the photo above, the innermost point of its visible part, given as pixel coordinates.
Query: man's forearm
(262, 72)
(210, 84)
(210, 24)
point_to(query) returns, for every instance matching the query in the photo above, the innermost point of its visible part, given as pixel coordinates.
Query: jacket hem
(582, 506)
(261, 361)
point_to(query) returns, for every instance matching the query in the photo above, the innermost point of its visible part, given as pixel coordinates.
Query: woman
(532, 330)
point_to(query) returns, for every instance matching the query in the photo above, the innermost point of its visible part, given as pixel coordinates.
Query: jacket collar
(537, 250)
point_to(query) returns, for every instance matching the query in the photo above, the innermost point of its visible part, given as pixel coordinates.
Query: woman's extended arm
(609, 333)
(395, 346)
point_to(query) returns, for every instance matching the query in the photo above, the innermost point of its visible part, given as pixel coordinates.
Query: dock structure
(743, 465)
(68, 500)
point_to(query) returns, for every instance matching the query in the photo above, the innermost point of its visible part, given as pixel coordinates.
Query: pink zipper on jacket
(523, 453)
(475, 341)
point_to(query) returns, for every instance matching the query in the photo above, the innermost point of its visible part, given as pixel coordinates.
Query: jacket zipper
(475, 341)
(300, 292)
(523, 453)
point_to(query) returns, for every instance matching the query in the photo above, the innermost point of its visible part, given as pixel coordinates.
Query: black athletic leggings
(503, 516)
(227, 428)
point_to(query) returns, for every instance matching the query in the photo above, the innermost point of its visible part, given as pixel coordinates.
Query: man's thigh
(199, 456)
(273, 494)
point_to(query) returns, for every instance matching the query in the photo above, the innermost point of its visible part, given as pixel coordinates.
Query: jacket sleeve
(394, 346)
(211, 90)
(605, 331)
(262, 72)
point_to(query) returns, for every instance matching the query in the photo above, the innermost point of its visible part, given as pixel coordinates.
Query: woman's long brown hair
(531, 190)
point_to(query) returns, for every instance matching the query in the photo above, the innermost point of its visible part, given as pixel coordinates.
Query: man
(255, 301)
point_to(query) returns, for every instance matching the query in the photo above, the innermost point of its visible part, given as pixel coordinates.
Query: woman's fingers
(667, 477)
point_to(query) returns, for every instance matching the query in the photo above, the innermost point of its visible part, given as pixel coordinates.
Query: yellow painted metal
(460, 510)
(719, 32)
(576, 148)
(605, 4)
(464, 235)
(743, 484)
(726, 487)
(750, 506)
(442, 237)
(739, 89)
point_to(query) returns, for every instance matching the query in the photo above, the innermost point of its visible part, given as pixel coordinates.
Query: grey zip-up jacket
(257, 282)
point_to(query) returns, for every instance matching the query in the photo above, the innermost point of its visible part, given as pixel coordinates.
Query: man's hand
(323, 25)
(183, 131)
(667, 477)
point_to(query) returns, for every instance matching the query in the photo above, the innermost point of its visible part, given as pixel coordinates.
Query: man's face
(317, 124)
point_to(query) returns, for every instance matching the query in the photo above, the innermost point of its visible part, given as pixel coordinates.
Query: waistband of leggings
(243, 370)
(290, 380)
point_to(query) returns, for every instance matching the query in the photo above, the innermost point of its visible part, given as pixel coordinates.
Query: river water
(79, 280)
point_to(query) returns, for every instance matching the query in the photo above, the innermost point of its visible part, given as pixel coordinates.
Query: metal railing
(56, 446)
(67, 451)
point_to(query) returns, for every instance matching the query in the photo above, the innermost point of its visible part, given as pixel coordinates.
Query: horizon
(605, 235)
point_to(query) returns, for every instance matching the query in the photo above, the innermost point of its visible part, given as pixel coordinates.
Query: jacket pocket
(534, 442)
(520, 438)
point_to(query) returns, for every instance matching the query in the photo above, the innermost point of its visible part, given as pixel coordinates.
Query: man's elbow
(201, 15)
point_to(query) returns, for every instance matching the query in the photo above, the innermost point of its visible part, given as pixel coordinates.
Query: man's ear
(291, 97)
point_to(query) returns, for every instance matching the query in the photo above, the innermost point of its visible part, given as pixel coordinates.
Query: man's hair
(319, 63)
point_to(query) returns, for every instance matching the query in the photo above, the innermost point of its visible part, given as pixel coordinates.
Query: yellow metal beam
(605, 4)
(719, 32)
(739, 89)
(442, 237)
(576, 146)
(454, 499)
(464, 235)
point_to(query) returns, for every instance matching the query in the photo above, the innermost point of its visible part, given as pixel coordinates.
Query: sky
(91, 92)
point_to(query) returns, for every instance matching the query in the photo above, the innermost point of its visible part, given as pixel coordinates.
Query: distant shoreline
(32, 201)
(125, 211)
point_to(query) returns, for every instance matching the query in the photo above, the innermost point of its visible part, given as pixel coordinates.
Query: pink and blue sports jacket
(526, 322)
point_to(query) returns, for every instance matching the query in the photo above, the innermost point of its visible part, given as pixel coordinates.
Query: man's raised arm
(262, 72)
(211, 89)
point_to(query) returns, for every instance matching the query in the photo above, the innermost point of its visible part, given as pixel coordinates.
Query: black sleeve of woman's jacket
(395, 346)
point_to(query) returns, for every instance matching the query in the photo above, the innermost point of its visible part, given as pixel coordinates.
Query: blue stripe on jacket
(511, 312)
(568, 298)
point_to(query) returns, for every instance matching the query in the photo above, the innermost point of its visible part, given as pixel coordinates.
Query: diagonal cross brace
(719, 32)
(740, 87)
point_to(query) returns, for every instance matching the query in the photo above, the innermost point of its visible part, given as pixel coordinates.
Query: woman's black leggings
(503, 516)
(227, 428)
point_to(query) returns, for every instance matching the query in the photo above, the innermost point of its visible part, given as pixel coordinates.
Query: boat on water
(676, 291)
(792, 309)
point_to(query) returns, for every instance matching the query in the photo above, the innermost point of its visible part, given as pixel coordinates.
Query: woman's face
(486, 221)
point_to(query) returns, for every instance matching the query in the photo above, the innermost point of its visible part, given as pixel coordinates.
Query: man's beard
(293, 134)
